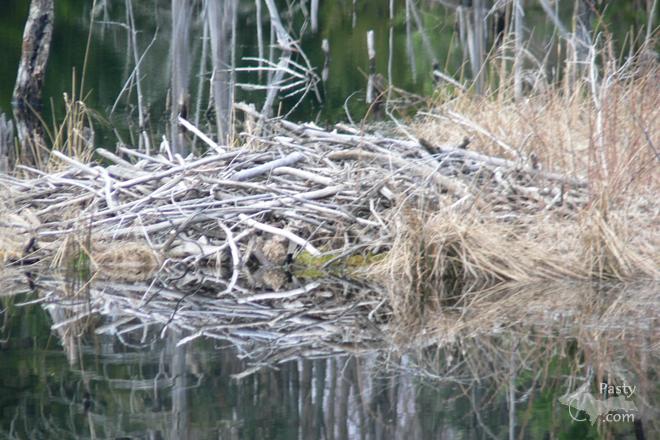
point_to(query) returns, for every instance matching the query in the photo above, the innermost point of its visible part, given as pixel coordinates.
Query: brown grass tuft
(604, 132)
(128, 261)
(439, 257)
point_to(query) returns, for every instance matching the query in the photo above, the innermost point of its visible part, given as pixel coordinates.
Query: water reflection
(486, 372)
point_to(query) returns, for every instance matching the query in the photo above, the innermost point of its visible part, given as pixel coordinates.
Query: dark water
(407, 61)
(98, 386)
(110, 61)
(66, 374)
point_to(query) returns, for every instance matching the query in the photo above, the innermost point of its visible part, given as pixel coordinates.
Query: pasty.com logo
(613, 405)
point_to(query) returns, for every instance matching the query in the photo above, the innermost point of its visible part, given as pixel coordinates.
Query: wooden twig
(277, 231)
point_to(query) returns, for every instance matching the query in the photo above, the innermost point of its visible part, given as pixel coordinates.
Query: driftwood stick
(277, 231)
(71, 161)
(281, 295)
(149, 158)
(358, 154)
(311, 195)
(156, 227)
(267, 167)
(207, 140)
(65, 203)
(314, 177)
(181, 168)
(114, 158)
(235, 256)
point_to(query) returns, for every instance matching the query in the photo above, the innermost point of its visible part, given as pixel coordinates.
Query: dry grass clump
(16, 230)
(83, 257)
(619, 245)
(433, 259)
(603, 131)
(128, 261)
(437, 257)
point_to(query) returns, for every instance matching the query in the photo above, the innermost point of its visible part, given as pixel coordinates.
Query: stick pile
(294, 188)
(213, 234)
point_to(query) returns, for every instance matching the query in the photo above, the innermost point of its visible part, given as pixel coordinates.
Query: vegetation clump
(602, 221)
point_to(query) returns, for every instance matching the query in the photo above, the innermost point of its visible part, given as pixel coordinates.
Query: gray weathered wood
(220, 16)
(6, 143)
(371, 51)
(26, 100)
(181, 66)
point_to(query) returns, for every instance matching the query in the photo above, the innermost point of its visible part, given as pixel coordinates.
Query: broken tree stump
(26, 100)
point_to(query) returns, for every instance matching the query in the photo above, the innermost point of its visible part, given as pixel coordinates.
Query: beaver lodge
(245, 243)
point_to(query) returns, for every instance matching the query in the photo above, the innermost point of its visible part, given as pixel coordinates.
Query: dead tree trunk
(180, 64)
(6, 144)
(26, 101)
(315, 16)
(220, 16)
